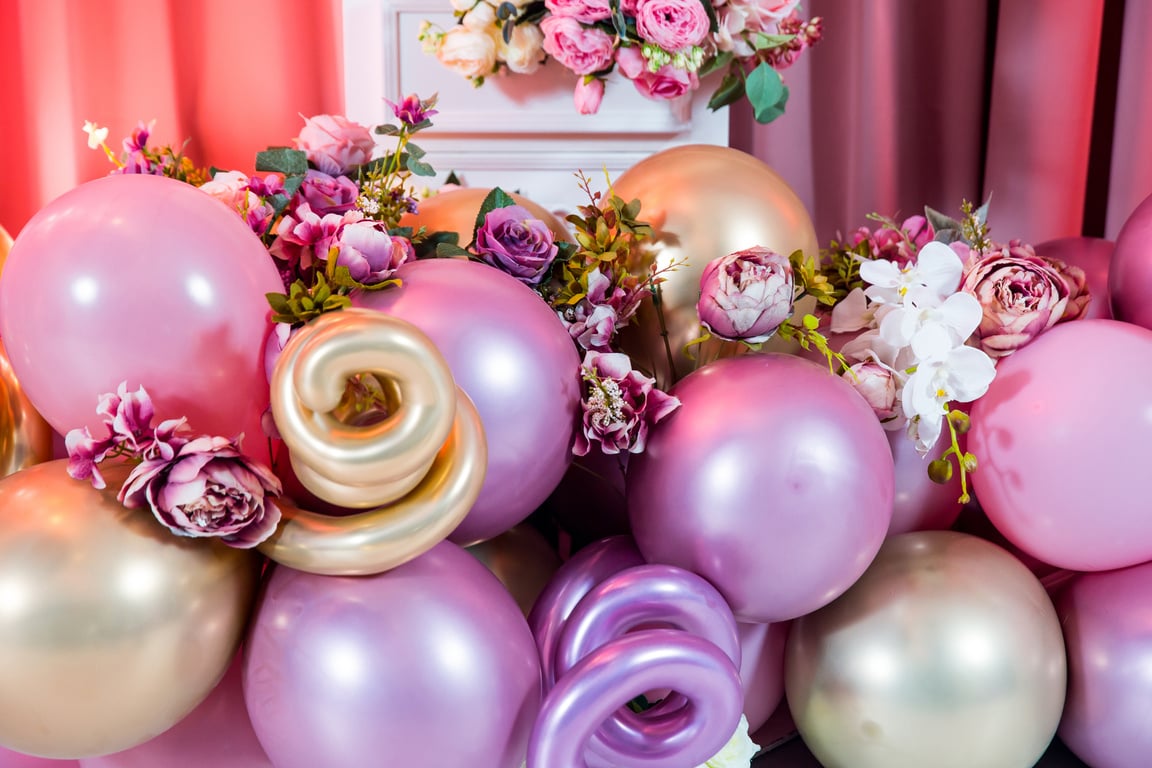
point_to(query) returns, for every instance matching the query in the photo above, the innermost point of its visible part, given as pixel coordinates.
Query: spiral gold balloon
(704, 202)
(419, 470)
(112, 629)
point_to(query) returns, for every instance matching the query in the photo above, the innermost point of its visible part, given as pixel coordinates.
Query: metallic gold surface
(704, 202)
(455, 211)
(419, 470)
(25, 438)
(112, 629)
(946, 653)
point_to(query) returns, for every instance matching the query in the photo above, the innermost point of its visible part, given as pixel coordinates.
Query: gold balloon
(112, 628)
(946, 653)
(5, 246)
(455, 211)
(25, 438)
(420, 469)
(523, 561)
(704, 202)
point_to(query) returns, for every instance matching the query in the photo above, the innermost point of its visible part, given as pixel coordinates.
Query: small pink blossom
(411, 111)
(583, 50)
(620, 405)
(669, 82)
(84, 454)
(672, 24)
(589, 94)
(877, 386)
(334, 144)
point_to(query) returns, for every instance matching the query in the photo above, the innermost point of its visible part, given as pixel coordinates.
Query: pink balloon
(1092, 255)
(1108, 636)
(144, 279)
(10, 759)
(773, 480)
(1062, 438)
(918, 503)
(762, 670)
(1130, 275)
(430, 664)
(509, 351)
(217, 733)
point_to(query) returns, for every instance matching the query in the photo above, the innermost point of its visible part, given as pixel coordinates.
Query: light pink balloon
(144, 279)
(1092, 255)
(1062, 438)
(1130, 276)
(919, 504)
(762, 669)
(10, 759)
(218, 733)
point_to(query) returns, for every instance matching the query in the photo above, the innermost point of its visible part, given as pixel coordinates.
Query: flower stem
(658, 303)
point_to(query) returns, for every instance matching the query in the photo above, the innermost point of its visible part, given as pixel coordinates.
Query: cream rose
(468, 51)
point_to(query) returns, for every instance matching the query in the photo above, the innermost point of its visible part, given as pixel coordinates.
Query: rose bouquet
(663, 46)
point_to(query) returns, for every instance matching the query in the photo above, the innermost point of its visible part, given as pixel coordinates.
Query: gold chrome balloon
(523, 561)
(419, 469)
(25, 438)
(455, 211)
(5, 246)
(946, 653)
(112, 629)
(704, 202)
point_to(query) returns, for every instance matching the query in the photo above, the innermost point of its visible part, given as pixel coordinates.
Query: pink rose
(370, 253)
(746, 295)
(619, 406)
(1022, 296)
(335, 144)
(672, 24)
(326, 194)
(589, 94)
(587, 11)
(877, 385)
(583, 50)
(668, 83)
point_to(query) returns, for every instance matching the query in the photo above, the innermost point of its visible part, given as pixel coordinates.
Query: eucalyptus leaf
(505, 11)
(388, 130)
(716, 63)
(283, 160)
(414, 150)
(982, 211)
(506, 32)
(765, 41)
(729, 91)
(419, 167)
(766, 93)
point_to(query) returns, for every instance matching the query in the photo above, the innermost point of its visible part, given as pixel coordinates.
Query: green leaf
(729, 91)
(982, 211)
(948, 229)
(506, 31)
(766, 93)
(292, 184)
(375, 166)
(765, 41)
(414, 150)
(716, 64)
(713, 22)
(497, 198)
(277, 301)
(506, 10)
(618, 19)
(388, 130)
(420, 168)
(450, 251)
(290, 162)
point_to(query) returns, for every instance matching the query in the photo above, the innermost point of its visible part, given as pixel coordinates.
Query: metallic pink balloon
(773, 480)
(614, 674)
(1062, 438)
(1094, 256)
(509, 351)
(575, 579)
(918, 503)
(762, 670)
(217, 733)
(429, 664)
(1108, 634)
(144, 279)
(10, 759)
(1130, 273)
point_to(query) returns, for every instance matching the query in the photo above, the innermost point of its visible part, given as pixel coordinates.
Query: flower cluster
(138, 157)
(663, 46)
(198, 486)
(931, 304)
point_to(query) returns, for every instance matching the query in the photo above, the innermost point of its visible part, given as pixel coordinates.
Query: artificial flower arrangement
(663, 46)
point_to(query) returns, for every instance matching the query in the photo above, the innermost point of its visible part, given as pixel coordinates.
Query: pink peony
(515, 241)
(668, 83)
(877, 385)
(305, 237)
(334, 144)
(1022, 295)
(589, 93)
(620, 405)
(586, 11)
(583, 50)
(370, 253)
(672, 24)
(204, 487)
(746, 295)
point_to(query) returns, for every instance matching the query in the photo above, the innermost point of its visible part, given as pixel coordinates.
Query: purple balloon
(575, 579)
(1092, 255)
(10, 759)
(773, 480)
(618, 672)
(1108, 637)
(509, 351)
(1062, 436)
(918, 503)
(762, 670)
(217, 733)
(429, 664)
(1130, 273)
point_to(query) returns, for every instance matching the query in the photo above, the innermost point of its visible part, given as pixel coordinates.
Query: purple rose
(746, 295)
(369, 252)
(513, 240)
(204, 487)
(672, 24)
(583, 50)
(1022, 296)
(335, 144)
(668, 82)
(619, 405)
(327, 194)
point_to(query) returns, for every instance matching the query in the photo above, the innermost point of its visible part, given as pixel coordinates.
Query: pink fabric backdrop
(898, 108)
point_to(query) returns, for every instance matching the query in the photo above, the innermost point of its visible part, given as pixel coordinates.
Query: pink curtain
(227, 75)
(1044, 104)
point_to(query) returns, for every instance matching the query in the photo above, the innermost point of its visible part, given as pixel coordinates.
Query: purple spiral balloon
(625, 668)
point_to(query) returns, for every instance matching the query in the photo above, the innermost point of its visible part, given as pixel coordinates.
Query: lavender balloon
(918, 503)
(1130, 273)
(430, 664)
(773, 480)
(1092, 255)
(1109, 642)
(508, 350)
(572, 582)
(762, 670)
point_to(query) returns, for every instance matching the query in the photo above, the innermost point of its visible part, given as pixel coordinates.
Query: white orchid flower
(960, 314)
(97, 135)
(928, 281)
